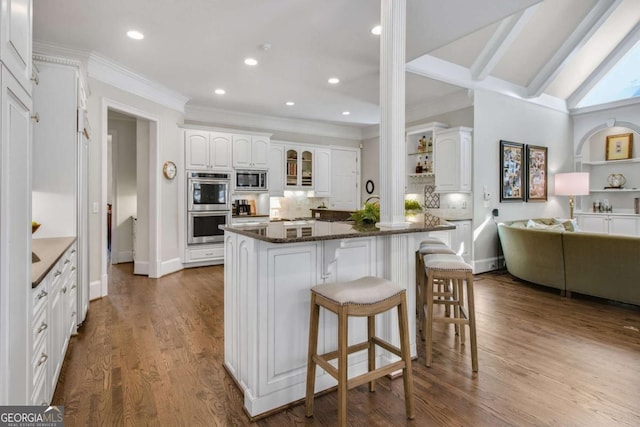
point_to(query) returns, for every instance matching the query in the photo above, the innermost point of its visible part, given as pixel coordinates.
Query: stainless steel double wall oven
(208, 206)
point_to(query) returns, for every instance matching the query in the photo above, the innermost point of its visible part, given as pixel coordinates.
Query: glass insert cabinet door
(299, 169)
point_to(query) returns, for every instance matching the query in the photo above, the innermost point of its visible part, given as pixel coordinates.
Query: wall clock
(169, 169)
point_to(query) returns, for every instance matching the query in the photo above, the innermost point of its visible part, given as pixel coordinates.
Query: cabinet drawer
(39, 395)
(40, 329)
(40, 362)
(39, 298)
(205, 254)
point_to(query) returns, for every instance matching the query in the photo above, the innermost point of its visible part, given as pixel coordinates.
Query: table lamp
(572, 184)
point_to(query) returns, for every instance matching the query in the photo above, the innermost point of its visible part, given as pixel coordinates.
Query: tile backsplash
(297, 205)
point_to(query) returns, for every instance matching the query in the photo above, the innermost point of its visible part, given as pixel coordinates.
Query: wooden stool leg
(420, 279)
(460, 285)
(446, 287)
(472, 323)
(343, 345)
(371, 332)
(429, 318)
(314, 320)
(407, 376)
(456, 307)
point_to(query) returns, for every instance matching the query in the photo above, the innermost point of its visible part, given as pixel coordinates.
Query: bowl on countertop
(34, 227)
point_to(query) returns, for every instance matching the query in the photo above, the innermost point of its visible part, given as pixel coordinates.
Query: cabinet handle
(73, 251)
(73, 287)
(209, 254)
(64, 290)
(36, 117)
(43, 359)
(73, 268)
(57, 273)
(42, 327)
(67, 261)
(35, 78)
(42, 294)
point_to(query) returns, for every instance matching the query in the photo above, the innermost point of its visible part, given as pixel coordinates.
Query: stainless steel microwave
(251, 181)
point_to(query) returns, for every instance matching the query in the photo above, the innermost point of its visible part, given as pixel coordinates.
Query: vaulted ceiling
(551, 52)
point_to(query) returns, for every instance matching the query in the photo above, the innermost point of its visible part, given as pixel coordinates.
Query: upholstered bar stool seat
(364, 297)
(454, 270)
(427, 247)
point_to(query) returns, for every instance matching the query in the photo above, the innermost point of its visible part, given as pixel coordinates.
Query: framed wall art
(536, 173)
(511, 171)
(619, 146)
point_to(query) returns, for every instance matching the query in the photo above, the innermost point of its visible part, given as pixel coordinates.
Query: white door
(322, 173)
(345, 194)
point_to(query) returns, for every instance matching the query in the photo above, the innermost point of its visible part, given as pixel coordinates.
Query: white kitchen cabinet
(624, 225)
(15, 239)
(276, 170)
(322, 170)
(299, 173)
(250, 151)
(15, 39)
(461, 240)
(40, 326)
(207, 150)
(210, 253)
(452, 160)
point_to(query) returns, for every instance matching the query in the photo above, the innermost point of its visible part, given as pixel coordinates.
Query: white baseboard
(141, 268)
(487, 264)
(122, 257)
(170, 266)
(95, 290)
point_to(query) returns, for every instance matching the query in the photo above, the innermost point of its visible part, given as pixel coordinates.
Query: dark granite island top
(315, 230)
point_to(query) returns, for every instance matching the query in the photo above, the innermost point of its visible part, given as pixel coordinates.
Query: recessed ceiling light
(251, 61)
(136, 35)
(290, 103)
(377, 30)
(220, 91)
(346, 113)
(334, 80)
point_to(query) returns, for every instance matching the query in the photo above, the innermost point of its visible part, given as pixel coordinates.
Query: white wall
(124, 186)
(498, 117)
(169, 135)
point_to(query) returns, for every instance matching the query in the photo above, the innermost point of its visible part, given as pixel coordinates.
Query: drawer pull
(73, 268)
(74, 286)
(67, 261)
(64, 290)
(43, 359)
(73, 251)
(57, 273)
(36, 117)
(42, 294)
(42, 327)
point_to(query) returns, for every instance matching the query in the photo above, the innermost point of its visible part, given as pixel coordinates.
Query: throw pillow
(568, 224)
(538, 226)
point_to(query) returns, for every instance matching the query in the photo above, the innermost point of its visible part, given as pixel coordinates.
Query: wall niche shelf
(610, 162)
(613, 190)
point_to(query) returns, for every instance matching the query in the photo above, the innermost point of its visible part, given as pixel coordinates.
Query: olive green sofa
(600, 265)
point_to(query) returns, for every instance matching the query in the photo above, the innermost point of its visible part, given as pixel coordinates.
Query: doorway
(135, 212)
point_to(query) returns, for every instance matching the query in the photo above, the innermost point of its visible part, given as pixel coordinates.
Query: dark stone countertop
(312, 230)
(45, 253)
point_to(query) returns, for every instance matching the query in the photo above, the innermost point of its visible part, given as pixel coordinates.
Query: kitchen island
(269, 270)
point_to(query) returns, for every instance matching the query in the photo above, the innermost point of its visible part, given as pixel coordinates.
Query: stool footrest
(376, 373)
(351, 349)
(390, 348)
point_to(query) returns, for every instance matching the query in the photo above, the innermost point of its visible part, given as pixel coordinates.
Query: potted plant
(412, 207)
(368, 215)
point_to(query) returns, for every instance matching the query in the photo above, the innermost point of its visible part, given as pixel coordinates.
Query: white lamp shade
(572, 184)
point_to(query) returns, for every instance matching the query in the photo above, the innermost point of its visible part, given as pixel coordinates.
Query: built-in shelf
(420, 175)
(621, 190)
(611, 162)
(420, 153)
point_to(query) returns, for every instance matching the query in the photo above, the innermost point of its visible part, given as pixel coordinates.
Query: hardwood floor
(151, 353)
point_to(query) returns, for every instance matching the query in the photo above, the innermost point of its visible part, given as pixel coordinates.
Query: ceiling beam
(605, 66)
(502, 38)
(589, 25)
(448, 72)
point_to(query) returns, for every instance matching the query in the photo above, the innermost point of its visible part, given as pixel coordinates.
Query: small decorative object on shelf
(430, 145)
(616, 180)
(419, 167)
(422, 144)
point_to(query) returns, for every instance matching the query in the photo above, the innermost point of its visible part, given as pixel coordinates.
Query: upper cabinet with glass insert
(299, 172)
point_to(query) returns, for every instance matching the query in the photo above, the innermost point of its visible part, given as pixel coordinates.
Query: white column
(392, 120)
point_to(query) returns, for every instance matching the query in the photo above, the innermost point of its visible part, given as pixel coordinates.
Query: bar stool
(366, 296)
(430, 246)
(452, 269)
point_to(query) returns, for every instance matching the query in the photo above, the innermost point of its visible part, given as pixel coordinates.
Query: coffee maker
(242, 207)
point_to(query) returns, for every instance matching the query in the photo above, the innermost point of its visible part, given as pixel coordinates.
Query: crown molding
(107, 71)
(207, 115)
